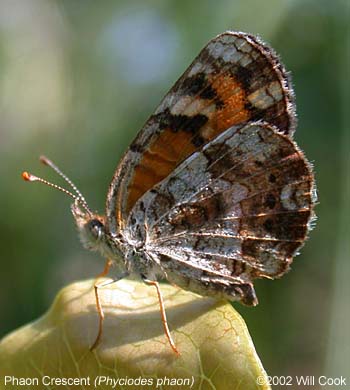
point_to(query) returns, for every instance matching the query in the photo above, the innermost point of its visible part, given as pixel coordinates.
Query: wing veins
(179, 202)
(210, 182)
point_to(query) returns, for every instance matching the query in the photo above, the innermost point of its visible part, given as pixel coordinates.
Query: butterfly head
(91, 227)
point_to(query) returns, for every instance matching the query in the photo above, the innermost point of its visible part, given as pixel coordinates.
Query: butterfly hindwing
(238, 208)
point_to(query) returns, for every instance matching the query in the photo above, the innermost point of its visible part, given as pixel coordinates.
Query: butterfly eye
(96, 228)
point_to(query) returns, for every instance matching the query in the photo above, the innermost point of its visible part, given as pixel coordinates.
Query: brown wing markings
(148, 165)
(241, 263)
(284, 161)
(226, 91)
(211, 163)
(231, 112)
(283, 226)
(182, 140)
(203, 215)
(258, 248)
(263, 70)
(226, 79)
(269, 231)
(211, 210)
(225, 235)
(205, 229)
(268, 59)
(305, 195)
(301, 171)
(234, 109)
(229, 95)
(231, 287)
(174, 239)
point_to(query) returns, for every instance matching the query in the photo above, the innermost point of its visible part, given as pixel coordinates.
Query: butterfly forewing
(234, 79)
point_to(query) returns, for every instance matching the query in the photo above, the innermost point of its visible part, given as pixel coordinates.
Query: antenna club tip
(26, 176)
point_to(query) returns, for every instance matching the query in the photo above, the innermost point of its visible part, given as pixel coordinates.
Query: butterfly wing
(236, 78)
(238, 209)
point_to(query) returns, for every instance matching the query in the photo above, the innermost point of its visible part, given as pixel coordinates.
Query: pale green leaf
(216, 349)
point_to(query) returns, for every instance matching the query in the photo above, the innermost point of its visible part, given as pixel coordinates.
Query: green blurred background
(77, 81)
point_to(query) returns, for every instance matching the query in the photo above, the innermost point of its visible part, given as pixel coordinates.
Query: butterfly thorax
(128, 257)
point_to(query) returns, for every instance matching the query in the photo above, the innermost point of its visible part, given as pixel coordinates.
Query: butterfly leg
(100, 311)
(163, 314)
(106, 269)
(97, 286)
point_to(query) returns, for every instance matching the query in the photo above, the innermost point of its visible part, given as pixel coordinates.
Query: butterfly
(213, 192)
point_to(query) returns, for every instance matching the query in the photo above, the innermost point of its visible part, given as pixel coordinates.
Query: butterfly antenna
(48, 162)
(77, 197)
